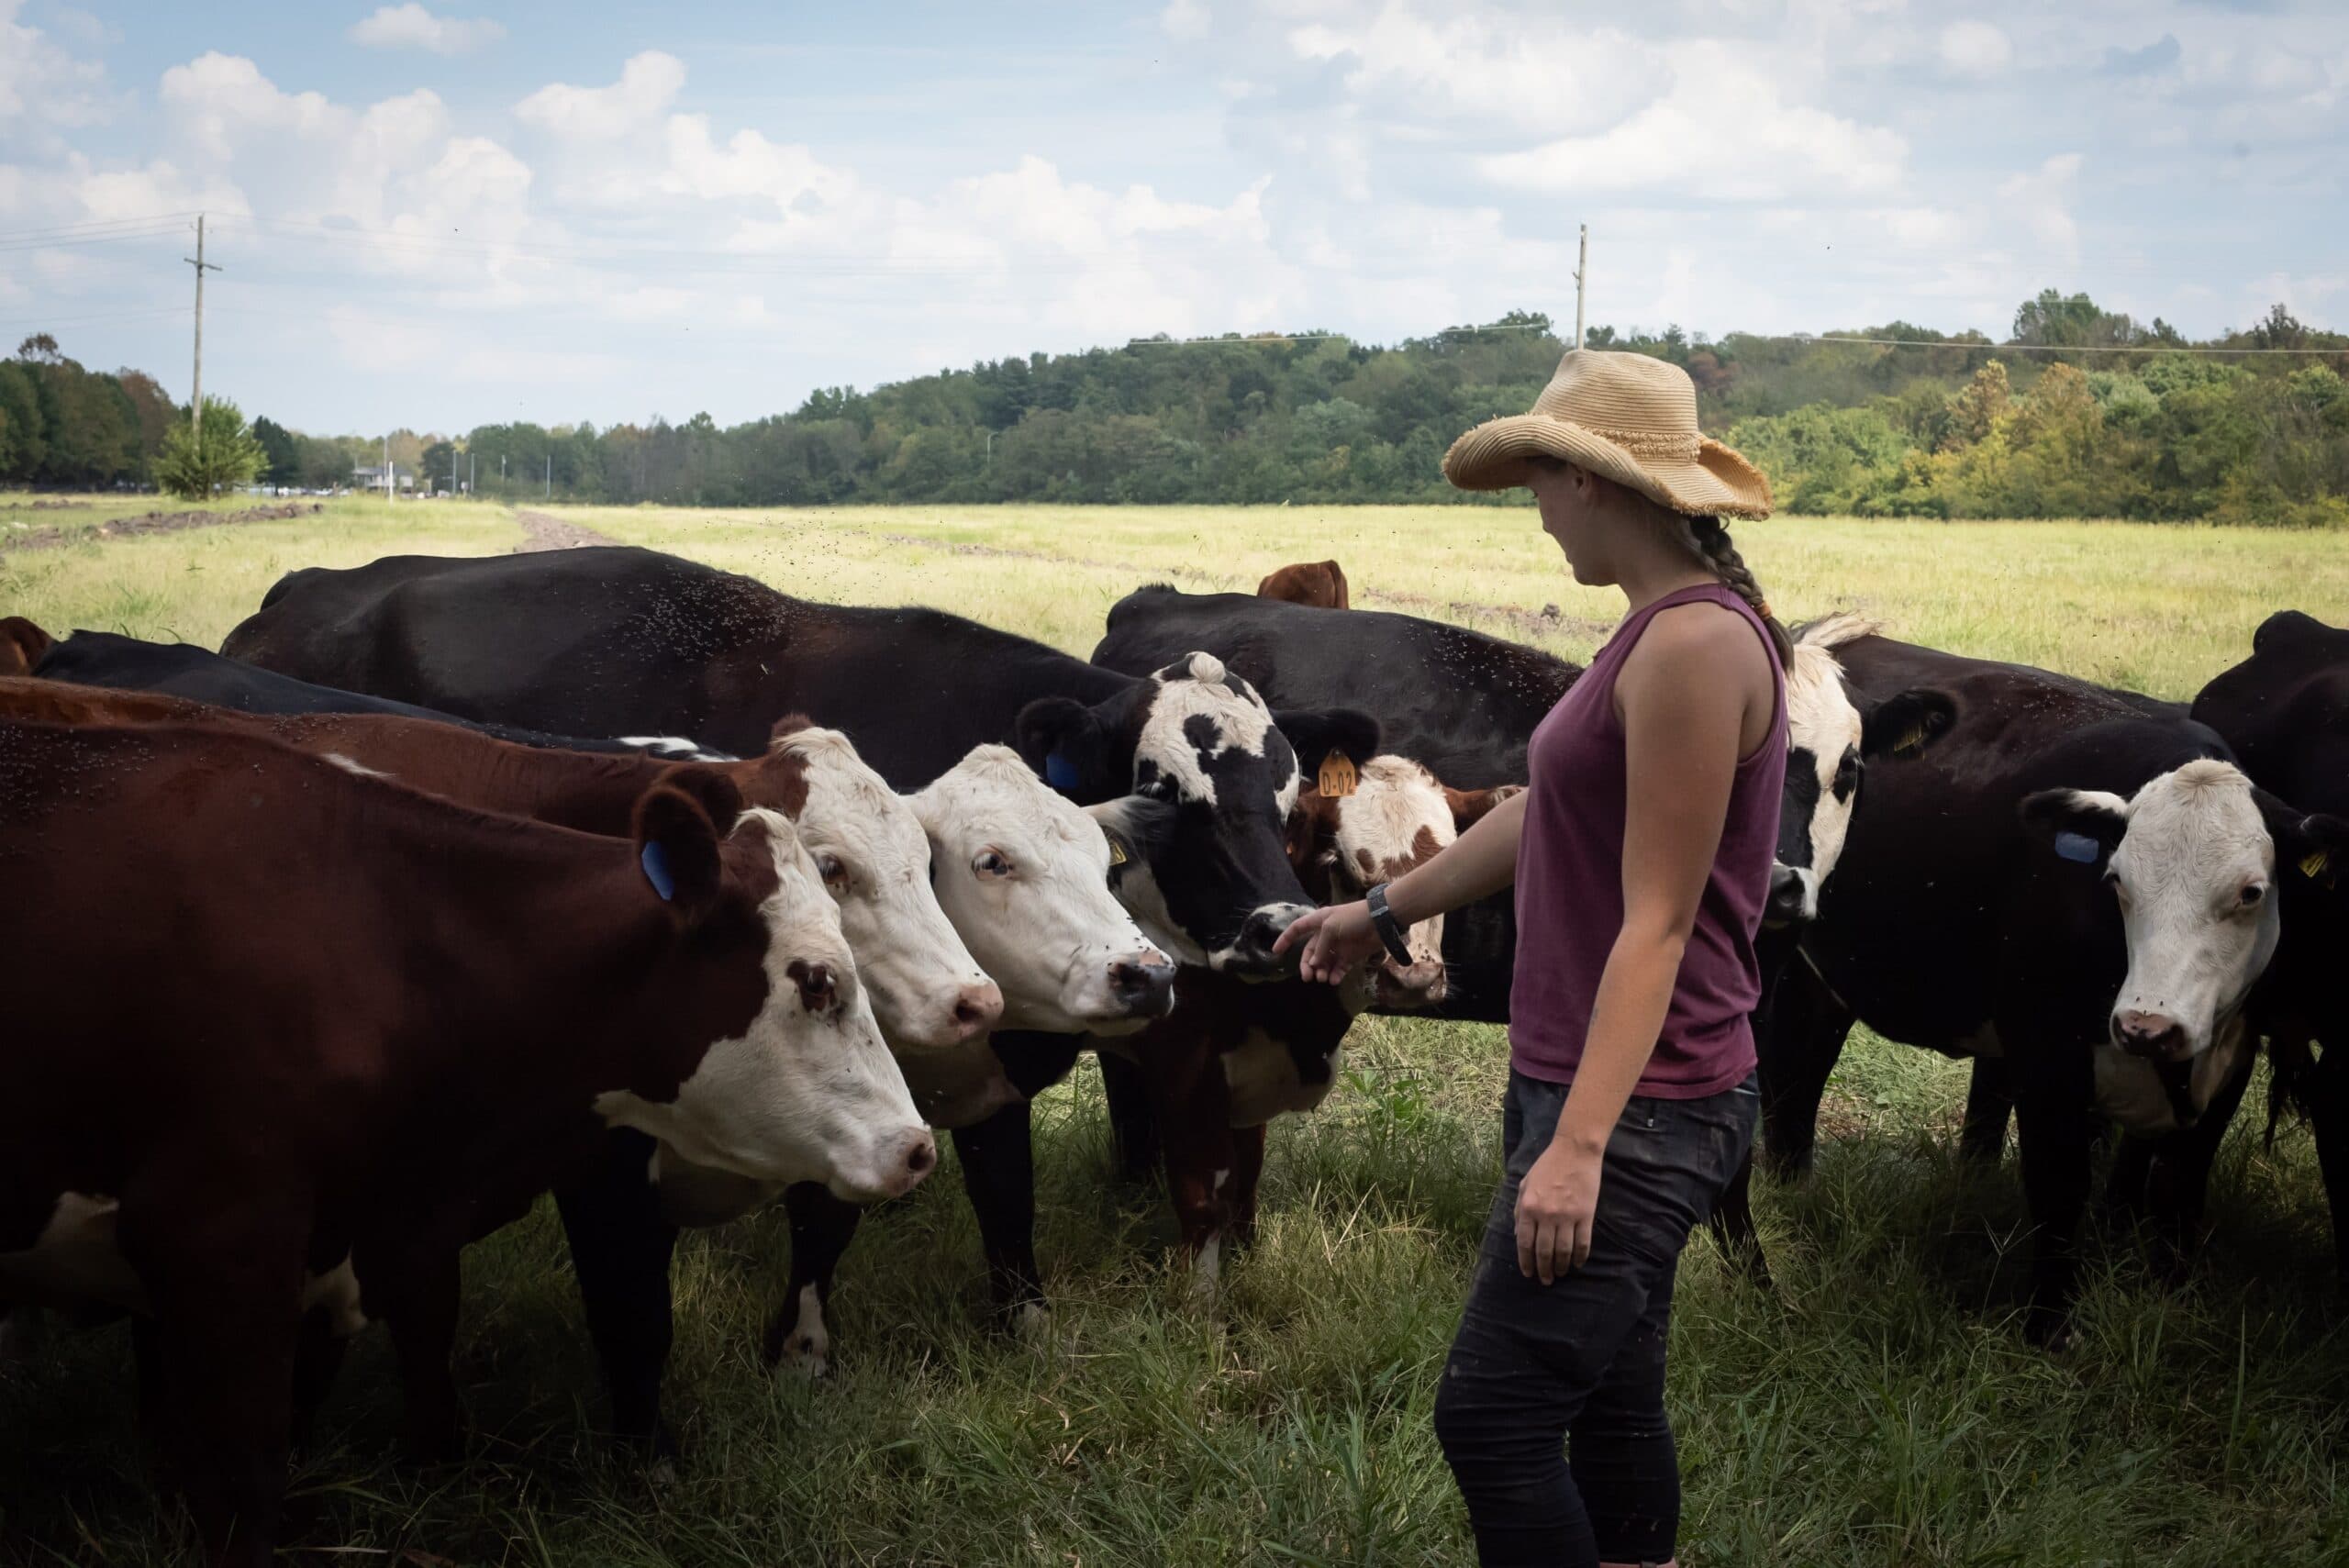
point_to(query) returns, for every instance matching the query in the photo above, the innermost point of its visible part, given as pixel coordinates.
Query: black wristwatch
(1390, 930)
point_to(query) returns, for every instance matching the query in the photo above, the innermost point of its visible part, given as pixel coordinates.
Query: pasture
(1879, 1407)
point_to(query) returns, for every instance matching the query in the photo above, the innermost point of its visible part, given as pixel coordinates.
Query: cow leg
(822, 1228)
(414, 1280)
(2178, 1187)
(1247, 1176)
(1805, 1040)
(1731, 1222)
(1133, 1124)
(620, 1248)
(2328, 1106)
(318, 1357)
(2052, 1123)
(228, 1301)
(999, 1172)
(1989, 1098)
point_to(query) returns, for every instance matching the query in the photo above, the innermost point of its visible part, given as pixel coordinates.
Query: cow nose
(976, 1007)
(1422, 985)
(1252, 952)
(1144, 986)
(1788, 900)
(916, 1158)
(2154, 1036)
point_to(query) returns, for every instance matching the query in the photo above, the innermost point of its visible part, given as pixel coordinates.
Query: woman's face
(1569, 498)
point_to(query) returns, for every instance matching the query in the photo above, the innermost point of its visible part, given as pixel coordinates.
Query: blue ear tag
(1059, 772)
(2078, 847)
(655, 861)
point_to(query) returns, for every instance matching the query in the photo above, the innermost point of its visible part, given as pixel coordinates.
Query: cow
(183, 670)
(2074, 882)
(1464, 705)
(21, 645)
(328, 971)
(578, 638)
(1320, 583)
(1195, 1090)
(2284, 710)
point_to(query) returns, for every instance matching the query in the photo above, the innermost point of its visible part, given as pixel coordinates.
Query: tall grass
(1878, 1407)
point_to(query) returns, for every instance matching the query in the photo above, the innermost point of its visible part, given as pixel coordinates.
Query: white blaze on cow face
(1398, 819)
(1201, 688)
(1023, 873)
(2190, 861)
(927, 990)
(808, 1092)
(1823, 730)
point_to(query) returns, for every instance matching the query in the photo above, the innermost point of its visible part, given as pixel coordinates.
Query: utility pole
(195, 397)
(391, 491)
(472, 475)
(1582, 267)
(550, 475)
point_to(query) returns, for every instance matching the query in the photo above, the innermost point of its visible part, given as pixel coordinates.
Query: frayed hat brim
(1717, 482)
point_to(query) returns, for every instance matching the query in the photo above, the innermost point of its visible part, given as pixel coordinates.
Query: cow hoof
(2048, 1332)
(1030, 1321)
(798, 1337)
(805, 1354)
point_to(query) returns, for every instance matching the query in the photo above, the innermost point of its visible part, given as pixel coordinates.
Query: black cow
(184, 669)
(2286, 712)
(633, 639)
(2075, 881)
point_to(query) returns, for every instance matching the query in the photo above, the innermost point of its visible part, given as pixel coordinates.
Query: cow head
(801, 1087)
(21, 645)
(1024, 876)
(1830, 737)
(869, 846)
(2192, 859)
(1397, 820)
(1198, 740)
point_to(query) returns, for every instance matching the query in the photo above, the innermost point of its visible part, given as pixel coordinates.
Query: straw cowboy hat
(1631, 418)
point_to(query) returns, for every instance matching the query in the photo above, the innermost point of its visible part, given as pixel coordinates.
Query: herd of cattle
(329, 953)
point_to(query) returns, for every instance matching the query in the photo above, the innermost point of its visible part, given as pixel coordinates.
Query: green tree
(194, 464)
(281, 451)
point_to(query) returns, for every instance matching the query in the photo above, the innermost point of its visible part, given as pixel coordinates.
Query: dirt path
(152, 523)
(541, 531)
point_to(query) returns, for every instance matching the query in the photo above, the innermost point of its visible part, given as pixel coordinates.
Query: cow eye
(2250, 895)
(835, 875)
(991, 863)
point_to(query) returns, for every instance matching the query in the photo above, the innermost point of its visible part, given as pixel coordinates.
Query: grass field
(1879, 1407)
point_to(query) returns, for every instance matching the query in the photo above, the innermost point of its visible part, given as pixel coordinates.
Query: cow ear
(677, 849)
(714, 787)
(21, 645)
(1316, 733)
(789, 724)
(1906, 723)
(2082, 825)
(2313, 846)
(1470, 807)
(1061, 739)
(1137, 828)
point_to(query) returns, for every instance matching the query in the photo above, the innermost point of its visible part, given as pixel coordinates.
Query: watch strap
(1390, 930)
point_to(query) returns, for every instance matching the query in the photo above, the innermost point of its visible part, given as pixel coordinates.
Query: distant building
(371, 477)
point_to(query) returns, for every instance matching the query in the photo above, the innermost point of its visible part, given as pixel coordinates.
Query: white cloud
(1534, 74)
(2042, 202)
(43, 82)
(1975, 49)
(649, 84)
(1185, 19)
(412, 26)
(1725, 133)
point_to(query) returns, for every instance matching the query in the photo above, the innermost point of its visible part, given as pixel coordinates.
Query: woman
(1641, 855)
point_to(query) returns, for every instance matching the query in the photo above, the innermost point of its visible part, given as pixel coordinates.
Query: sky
(438, 215)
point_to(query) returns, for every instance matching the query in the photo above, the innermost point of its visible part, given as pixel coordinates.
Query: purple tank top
(1570, 886)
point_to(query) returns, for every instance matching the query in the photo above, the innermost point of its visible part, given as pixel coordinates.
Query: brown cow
(1320, 583)
(248, 988)
(21, 645)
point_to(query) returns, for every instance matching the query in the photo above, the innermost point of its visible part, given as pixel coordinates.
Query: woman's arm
(1481, 860)
(1685, 692)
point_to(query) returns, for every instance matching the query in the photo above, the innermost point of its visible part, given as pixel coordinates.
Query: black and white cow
(596, 634)
(2074, 882)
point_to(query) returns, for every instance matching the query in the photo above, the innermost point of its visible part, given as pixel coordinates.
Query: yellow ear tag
(1116, 852)
(2314, 866)
(1911, 742)
(1337, 774)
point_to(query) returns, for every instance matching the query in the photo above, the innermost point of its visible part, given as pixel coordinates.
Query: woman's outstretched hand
(1336, 938)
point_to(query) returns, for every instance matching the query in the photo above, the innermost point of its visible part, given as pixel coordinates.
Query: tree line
(2079, 412)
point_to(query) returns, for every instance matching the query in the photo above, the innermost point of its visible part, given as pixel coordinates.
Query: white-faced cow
(513, 987)
(1978, 909)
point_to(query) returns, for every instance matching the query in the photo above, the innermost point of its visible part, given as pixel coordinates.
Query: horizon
(435, 218)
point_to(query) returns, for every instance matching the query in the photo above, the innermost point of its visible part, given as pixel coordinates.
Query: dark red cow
(1320, 583)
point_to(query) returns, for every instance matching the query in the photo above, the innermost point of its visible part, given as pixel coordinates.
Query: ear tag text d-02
(1337, 774)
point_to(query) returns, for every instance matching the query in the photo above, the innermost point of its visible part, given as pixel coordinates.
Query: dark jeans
(1540, 1372)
